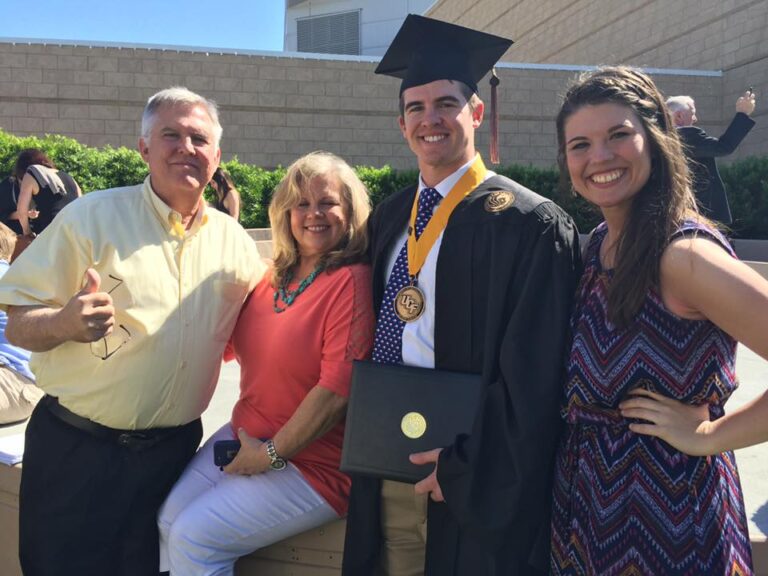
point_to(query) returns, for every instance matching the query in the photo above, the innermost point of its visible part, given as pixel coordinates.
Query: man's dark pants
(88, 506)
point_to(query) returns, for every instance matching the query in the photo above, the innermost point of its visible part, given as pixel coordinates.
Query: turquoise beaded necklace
(289, 296)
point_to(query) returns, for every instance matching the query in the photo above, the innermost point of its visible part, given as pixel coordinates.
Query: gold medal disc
(413, 425)
(409, 303)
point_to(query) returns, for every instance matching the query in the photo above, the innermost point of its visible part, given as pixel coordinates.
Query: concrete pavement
(753, 461)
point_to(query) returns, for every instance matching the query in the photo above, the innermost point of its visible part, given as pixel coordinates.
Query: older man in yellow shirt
(127, 301)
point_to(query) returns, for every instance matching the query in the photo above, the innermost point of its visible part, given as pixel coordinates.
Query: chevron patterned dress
(626, 504)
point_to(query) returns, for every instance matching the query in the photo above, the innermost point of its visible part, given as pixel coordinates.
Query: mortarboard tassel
(494, 117)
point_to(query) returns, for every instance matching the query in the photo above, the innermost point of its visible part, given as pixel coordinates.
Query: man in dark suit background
(703, 149)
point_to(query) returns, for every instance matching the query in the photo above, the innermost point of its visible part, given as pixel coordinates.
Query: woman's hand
(684, 426)
(700, 280)
(252, 457)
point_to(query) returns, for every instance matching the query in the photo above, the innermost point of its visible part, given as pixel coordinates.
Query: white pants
(210, 518)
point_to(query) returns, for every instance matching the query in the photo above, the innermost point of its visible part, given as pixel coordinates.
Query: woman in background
(227, 196)
(52, 189)
(9, 198)
(659, 310)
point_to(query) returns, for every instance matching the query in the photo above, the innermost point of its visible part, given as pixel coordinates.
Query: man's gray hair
(178, 95)
(677, 103)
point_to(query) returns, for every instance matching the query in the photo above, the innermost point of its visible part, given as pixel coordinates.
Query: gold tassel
(494, 117)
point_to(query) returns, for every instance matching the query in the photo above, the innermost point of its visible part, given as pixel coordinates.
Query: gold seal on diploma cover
(409, 303)
(413, 425)
(499, 200)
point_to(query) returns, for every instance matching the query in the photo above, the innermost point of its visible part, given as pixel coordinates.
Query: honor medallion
(409, 303)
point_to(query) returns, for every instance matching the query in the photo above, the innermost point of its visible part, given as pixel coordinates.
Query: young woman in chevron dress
(645, 480)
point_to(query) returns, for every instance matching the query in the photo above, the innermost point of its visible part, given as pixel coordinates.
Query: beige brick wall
(274, 108)
(700, 34)
(730, 36)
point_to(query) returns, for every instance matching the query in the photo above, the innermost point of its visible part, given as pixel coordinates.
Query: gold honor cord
(418, 249)
(409, 301)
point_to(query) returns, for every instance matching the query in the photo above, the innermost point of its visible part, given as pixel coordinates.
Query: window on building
(330, 34)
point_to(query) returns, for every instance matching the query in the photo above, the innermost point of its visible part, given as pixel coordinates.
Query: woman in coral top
(295, 340)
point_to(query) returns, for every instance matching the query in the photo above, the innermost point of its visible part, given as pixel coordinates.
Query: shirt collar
(448, 183)
(170, 218)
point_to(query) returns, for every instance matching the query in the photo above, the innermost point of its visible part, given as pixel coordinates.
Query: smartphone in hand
(224, 451)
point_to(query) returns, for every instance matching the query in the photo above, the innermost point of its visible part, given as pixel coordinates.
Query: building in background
(730, 37)
(277, 106)
(354, 27)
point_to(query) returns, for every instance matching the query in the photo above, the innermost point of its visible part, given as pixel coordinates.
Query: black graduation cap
(426, 50)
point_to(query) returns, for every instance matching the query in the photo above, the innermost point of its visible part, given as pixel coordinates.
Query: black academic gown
(505, 282)
(701, 151)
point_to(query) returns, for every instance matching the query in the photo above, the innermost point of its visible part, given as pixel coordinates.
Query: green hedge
(747, 184)
(99, 168)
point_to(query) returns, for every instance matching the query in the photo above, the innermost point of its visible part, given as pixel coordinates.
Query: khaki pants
(404, 528)
(18, 396)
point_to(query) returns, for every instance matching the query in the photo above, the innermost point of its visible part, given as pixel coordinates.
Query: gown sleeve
(497, 480)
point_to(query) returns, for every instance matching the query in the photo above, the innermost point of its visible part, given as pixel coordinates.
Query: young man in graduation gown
(488, 283)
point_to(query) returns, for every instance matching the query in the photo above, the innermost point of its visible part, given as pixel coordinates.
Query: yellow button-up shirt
(176, 292)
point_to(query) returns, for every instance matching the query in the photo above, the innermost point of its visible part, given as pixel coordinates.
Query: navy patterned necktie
(388, 341)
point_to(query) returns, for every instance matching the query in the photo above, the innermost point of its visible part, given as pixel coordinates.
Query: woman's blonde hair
(8, 240)
(356, 205)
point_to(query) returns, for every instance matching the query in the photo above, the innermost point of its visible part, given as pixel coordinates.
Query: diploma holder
(396, 410)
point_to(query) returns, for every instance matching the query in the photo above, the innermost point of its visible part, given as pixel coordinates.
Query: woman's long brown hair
(664, 201)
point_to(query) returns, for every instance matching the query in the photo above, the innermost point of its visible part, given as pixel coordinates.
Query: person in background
(659, 310)
(18, 393)
(127, 301)
(295, 340)
(702, 151)
(51, 189)
(227, 196)
(495, 288)
(9, 199)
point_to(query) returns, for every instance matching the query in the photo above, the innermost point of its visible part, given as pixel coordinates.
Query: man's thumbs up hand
(89, 315)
